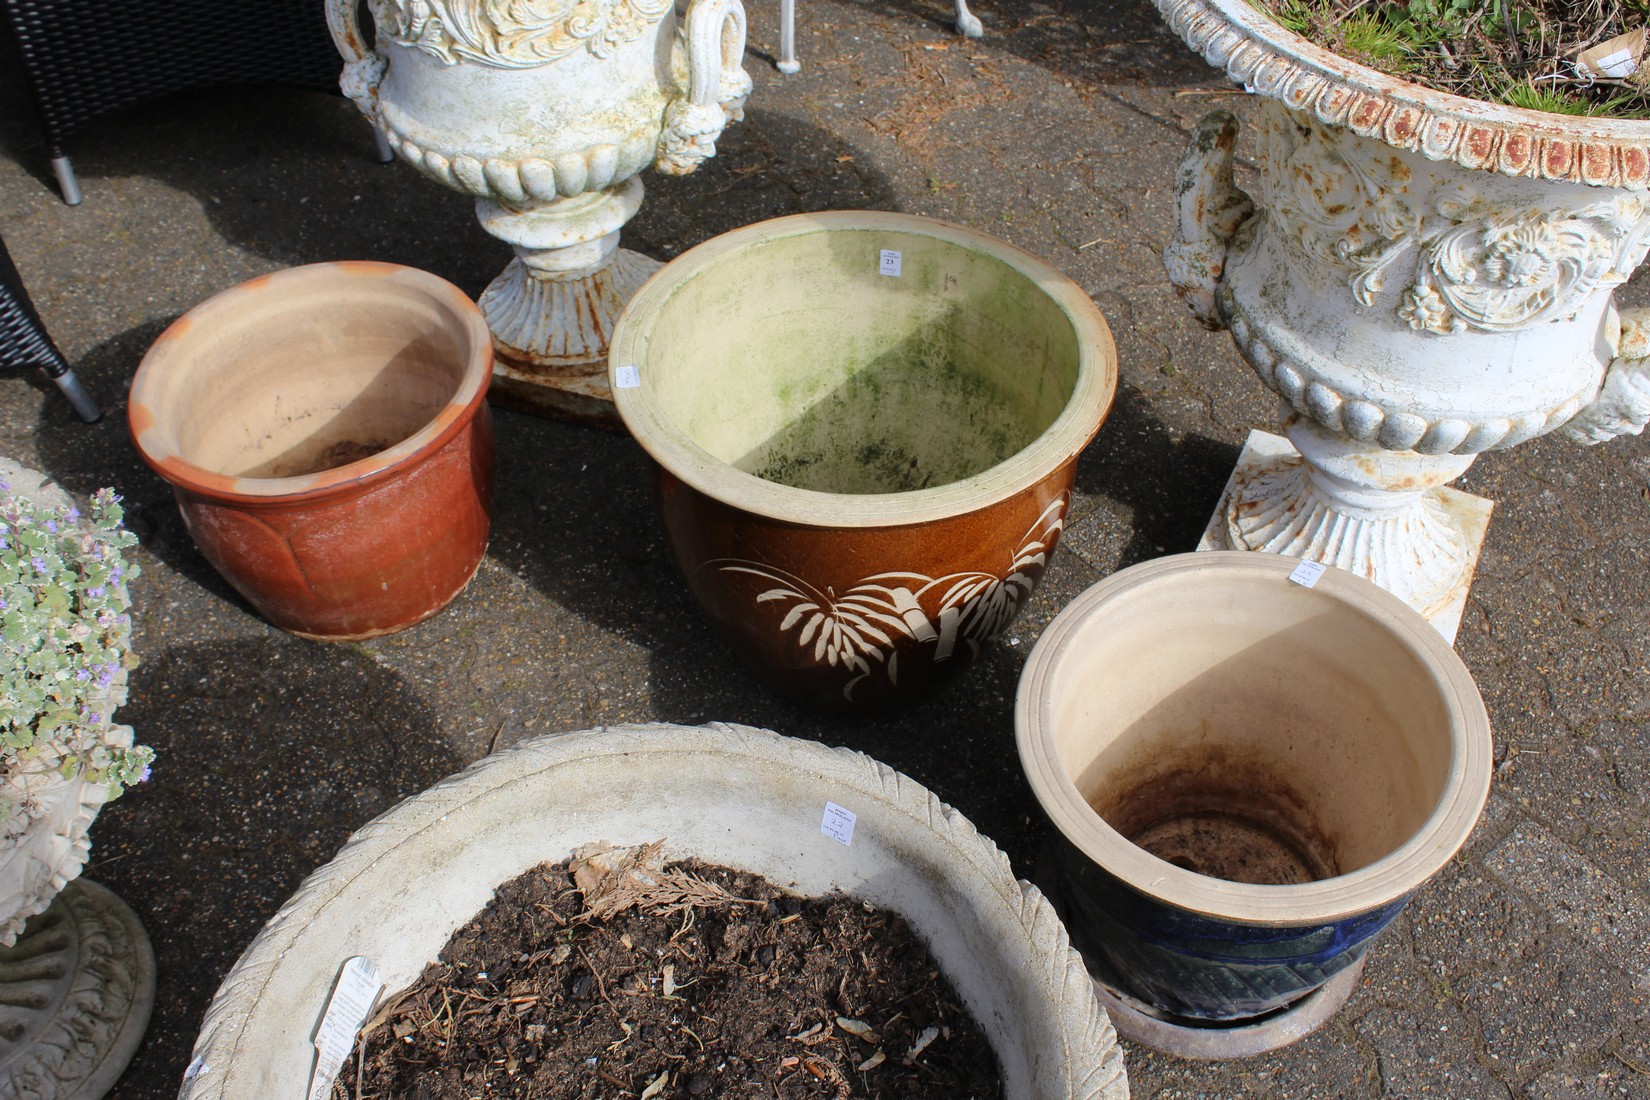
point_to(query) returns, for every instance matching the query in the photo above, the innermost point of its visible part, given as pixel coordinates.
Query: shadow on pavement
(273, 750)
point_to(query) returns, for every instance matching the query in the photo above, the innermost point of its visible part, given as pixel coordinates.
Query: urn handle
(1209, 208)
(363, 68)
(1622, 406)
(717, 86)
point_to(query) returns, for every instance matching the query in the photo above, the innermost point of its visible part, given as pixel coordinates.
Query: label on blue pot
(352, 998)
(1306, 574)
(838, 823)
(890, 264)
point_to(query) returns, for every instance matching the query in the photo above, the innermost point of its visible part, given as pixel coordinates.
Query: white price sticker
(352, 999)
(1618, 65)
(628, 377)
(838, 824)
(1306, 574)
(890, 263)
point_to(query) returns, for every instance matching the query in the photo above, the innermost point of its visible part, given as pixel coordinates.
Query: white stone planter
(545, 113)
(77, 974)
(1420, 278)
(1249, 778)
(741, 797)
(44, 847)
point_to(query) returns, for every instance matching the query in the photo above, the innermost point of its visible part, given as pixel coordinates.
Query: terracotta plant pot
(1249, 777)
(732, 795)
(865, 426)
(326, 434)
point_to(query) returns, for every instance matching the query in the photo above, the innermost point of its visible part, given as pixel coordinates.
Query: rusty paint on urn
(1635, 165)
(1597, 163)
(1560, 158)
(1402, 125)
(1479, 144)
(1440, 136)
(1332, 104)
(1365, 115)
(1516, 151)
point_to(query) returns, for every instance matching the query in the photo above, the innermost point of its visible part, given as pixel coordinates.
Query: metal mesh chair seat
(85, 58)
(24, 341)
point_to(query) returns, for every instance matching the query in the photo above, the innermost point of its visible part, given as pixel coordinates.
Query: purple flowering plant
(65, 648)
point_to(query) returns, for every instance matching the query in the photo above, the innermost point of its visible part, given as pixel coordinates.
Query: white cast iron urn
(545, 111)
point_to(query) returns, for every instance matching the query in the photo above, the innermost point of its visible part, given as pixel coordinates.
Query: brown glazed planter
(326, 433)
(866, 427)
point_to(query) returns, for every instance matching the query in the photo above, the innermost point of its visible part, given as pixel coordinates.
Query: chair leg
(968, 24)
(66, 182)
(787, 37)
(77, 395)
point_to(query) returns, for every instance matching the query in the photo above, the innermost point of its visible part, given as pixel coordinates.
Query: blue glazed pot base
(1202, 1039)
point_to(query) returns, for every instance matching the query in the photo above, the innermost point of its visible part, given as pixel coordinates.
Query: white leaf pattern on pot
(868, 622)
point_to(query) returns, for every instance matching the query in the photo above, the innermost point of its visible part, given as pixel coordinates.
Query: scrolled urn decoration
(545, 111)
(1420, 278)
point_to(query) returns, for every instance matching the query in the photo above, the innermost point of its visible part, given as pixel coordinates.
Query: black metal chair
(24, 341)
(85, 58)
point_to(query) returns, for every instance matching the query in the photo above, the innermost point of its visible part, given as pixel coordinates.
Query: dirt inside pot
(318, 459)
(1225, 821)
(613, 975)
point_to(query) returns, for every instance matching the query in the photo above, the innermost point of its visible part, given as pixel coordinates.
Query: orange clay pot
(326, 433)
(866, 427)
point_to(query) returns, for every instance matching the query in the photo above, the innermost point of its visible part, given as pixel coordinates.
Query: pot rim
(691, 464)
(1084, 1057)
(158, 448)
(1270, 59)
(1388, 879)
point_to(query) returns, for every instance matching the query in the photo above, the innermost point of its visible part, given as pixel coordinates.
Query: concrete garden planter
(865, 427)
(77, 973)
(1249, 777)
(326, 433)
(1421, 278)
(741, 797)
(545, 113)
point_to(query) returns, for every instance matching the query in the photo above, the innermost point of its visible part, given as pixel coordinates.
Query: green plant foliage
(64, 644)
(1518, 52)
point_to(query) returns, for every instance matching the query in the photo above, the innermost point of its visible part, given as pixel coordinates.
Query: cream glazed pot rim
(1387, 879)
(158, 445)
(1270, 59)
(671, 448)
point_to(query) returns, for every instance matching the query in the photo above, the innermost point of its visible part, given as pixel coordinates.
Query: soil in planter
(613, 976)
(307, 461)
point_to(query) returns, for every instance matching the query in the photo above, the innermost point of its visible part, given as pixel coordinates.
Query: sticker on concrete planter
(352, 998)
(838, 823)
(891, 261)
(1306, 574)
(628, 377)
